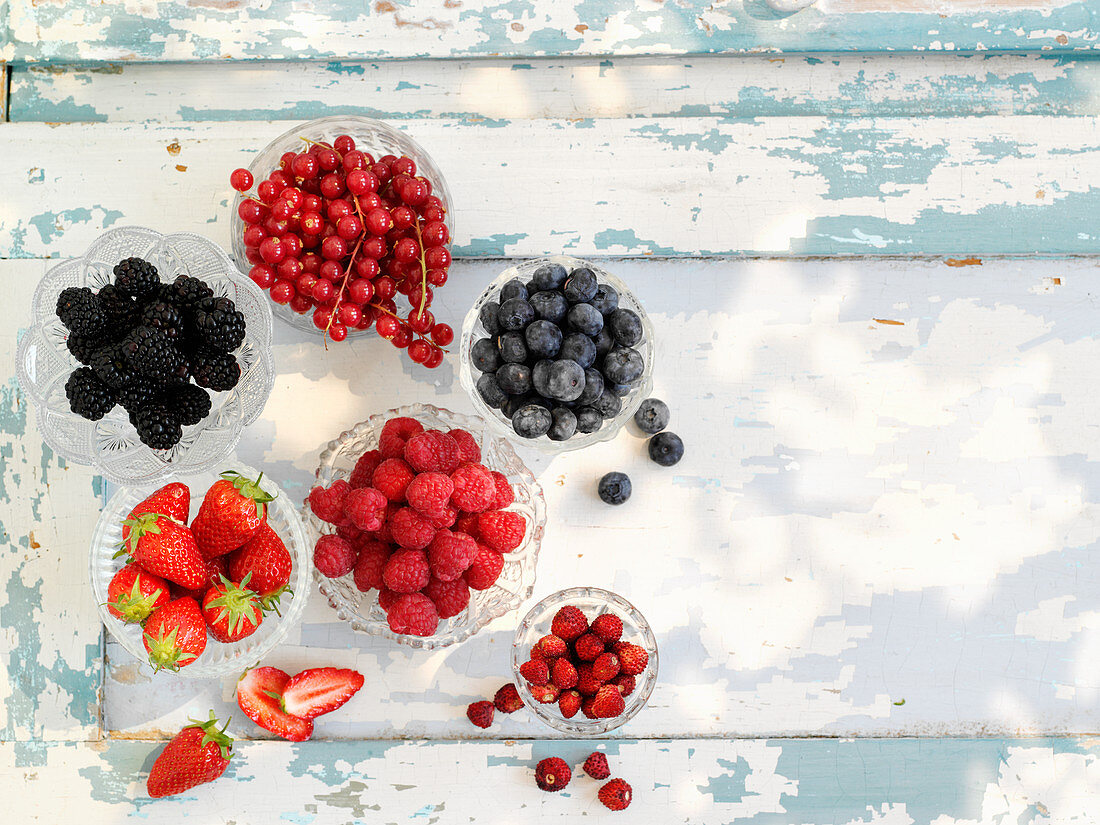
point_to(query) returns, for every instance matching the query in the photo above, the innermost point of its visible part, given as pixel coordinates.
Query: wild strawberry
(406, 571)
(364, 469)
(550, 647)
(608, 702)
(468, 451)
(450, 554)
(587, 707)
(410, 529)
(429, 494)
(587, 647)
(535, 672)
(606, 666)
(265, 558)
(232, 611)
(503, 531)
(432, 451)
(615, 795)
(503, 494)
(373, 556)
(413, 614)
(624, 683)
(632, 658)
(544, 694)
(552, 774)
(319, 690)
(587, 683)
(563, 674)
(198, 754)
(474, 488)
(172, 500)
(569, 702)
(596, 765)
(333, 556)
(259, 695)
(231, 513)
(327, 503)
(507, 699)
(365, 508)
(450, 598)
(608, 627)
(480, 713)
(485, 569)
(568, 623)
(134, 593)
(165, 548)
(392, 478)
(175, 634)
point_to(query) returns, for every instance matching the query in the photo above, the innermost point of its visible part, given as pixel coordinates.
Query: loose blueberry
(550, 306)
(513, 349)
(606, 299)
(581, 286)
(578, 347)
(652, 416)
(531, 421)
(585, 318)
(604, 342)
(515, 314)
(548, 276)
(666, 448)
(513, 289)
(623, 365)
(540, 376)
(608, 403)
(488, 317)
(483, 355)
(514, 379)
(626, 326)
(490, 391)
(589, 419)
(614, 488)
(564, 426)
(566, 380)
(543, 339)
(593, 387)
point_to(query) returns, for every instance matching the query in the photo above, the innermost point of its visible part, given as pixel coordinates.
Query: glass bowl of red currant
(346, 223)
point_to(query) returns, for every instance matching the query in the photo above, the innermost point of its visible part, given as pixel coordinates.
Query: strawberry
(615, 795)
(197, 754)
(568, 623)
(507, 699)
(480, 713)
(175, 635)
(535, 671)
(164, 547)
(232, 611)
(632, 658)
(134, 593)
(231, 513)
(569, 702)
(608, 702)
(172, 500)
(266, 559)
(259, 695)
(215, 569)
(596, 765)
(320, 690)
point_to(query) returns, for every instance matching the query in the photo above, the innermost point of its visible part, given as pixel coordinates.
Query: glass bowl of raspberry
(330, 232)
(50, 355)
(584, 660)
(491, 584)
(508, 378)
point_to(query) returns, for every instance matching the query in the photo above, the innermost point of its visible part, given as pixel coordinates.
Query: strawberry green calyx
(236, 602)
(211, 733)
(140, 525)
(164, 653)
(270, 602)
(135, 606)
(249, 489)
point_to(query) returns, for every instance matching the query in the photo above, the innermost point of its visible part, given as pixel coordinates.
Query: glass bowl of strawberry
(213, 571)
(427, 526)
(346, 222)
(584, 660)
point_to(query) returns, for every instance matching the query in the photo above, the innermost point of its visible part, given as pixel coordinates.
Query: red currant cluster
(338, 233)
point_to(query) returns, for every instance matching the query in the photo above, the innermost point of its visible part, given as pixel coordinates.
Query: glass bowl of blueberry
(147, 356)
(557, 353)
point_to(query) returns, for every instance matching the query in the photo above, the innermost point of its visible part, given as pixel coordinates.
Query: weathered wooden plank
(665, 186)
(177, 30)
(882, 85)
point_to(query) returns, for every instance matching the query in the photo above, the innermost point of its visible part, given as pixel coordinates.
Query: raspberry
(504, 495)
(385, 534)
(333, 556)
(446, 520)
(450, 554)
(485, 569)
(606, 666)
(364, 468)
(391, 446)
(480, 713)
(632, 658)
(552, 774)
(432, 451)
(569, 702)
(391, 478)
(474, 488)
(502, 531)
(365, 508)
(608, 627)
(449, 598)
(466, 523)
(550, 647)
(624, 683)
(596, 765)
(413, 614)
(563, 674)
(588, 647)
(406, 571)
(507, 699)
(535, 672)
(615, 795)
(387, 599)
(349, 532)
(410, 529)
(608, 702)
(587, 683)
(373, 556)
(429, 493)
(569, 623)
(402, 427)
(328, 503)
(468, 451)
(544, 694)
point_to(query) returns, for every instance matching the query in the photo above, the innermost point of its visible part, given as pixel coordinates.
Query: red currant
(350, 314)
(285, 159)
(240, 179)
(305, 166)
(381, 171)
(384, 287)
(442, 334)
(337, 332)
(253, 255)
(374, 247)
(305, 283)
(361, 291)
(311, 203)
(386, 326)
(413, 192)
(344, 143)
(323, 291)
(403, 217)
(301, 304)
(437, 257)
(420, 350)
(349, 227)
(328, 159)
(406, 250)
(321, 317)
(339, 208)
(435, 233)
(272, 250)
(403, 166)
(330, 270)
(280, 181)
(354, 160)
(311, 223)
(274, 226)
(293, 245)
(421, 322)
(402, 338)
(435, 359)
(370, 201)
(333, 248)
(311, 263)
(289, 269)
(251, 212)
(361, 182)
(282, 292)
(263, 276)
(432, 213)
(332, 186)
(379, 222)
(366, 268)
(414, 296)
(253, 235)
(437, 277)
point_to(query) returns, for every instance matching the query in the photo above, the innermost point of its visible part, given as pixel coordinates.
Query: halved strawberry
(134, 593)
(175, 635)
(172, 500)
(232, 511)
(165, 547)
(259, 695)
(320, 690)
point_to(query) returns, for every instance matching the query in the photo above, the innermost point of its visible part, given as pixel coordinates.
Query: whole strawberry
(164, 547)
(480, 713)
(231, 513)
(266, 559)
(172, 500)
(507, 699)
(552, 774)
(198, 754)
(615, 795)
(175, 635)
(232, 611)
(134, 593)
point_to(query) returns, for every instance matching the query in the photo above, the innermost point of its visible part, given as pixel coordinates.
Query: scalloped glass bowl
(374, 136)
(472, 330)
(517, 579)
(218, 659)
(593, 601)
(43, 362)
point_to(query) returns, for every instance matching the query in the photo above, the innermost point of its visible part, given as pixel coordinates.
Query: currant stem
(423, 269)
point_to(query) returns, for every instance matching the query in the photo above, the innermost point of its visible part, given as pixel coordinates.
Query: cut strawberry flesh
(259, 695)
(320, 690)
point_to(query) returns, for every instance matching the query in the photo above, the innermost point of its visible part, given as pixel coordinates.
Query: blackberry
(150, 352)
(159, 314)
(218, 371)
(652, 416)
(217, 324)
(88, 396)
(120, 309)
(111, 367)
(138, 394)
(157, 426)
(82, 349)
(531, 421)
(186, 293)
(136, 277)
(191, 404)
(614, 488)
(81, 312)
(666, 448)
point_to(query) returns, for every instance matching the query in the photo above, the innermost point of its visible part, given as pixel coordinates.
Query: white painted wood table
(873, 576)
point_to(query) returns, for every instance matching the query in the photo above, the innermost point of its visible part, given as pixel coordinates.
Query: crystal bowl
(43, 362)
(517, 579)
(218, 659)
(472, 330)
(374, 136)
(592, 601)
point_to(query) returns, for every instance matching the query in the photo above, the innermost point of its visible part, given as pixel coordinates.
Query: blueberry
(513, 289)
(490, 391)
(608, 403)
(578, 347)
(652, 416)
(604, 342)
(614, 488)
(589, 419)
(488, 317)
(566, 380)
(666, 448)
(623, 365)
(621, 390)
(585, 318)
(593, 387)
(515, 402)
(606, 299)
(483, 355)
(515, 314)
(565, 424)
(548, 276)
(543, 339)
(626, 326)
(513, 350)
(540, 376)
(581, 286)
(531, 421)
(550, 306)
(515, 379)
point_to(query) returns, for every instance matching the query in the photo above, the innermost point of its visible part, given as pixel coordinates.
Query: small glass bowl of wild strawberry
(635, 689)
(346, 222)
